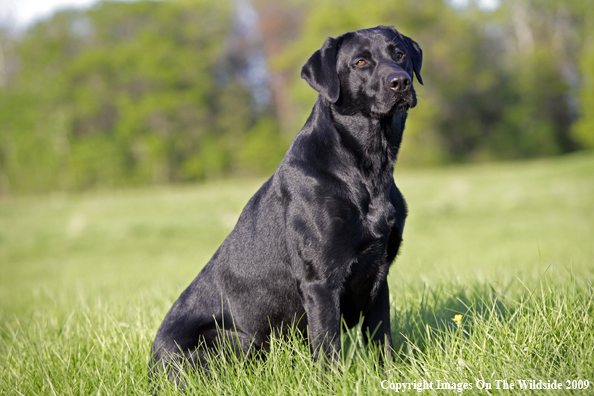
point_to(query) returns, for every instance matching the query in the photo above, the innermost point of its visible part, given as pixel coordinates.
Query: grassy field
(85, 280)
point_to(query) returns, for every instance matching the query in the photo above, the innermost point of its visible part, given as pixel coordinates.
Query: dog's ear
(416, 54)
(320, 71)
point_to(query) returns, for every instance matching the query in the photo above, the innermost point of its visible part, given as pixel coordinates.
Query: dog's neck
(373, 141)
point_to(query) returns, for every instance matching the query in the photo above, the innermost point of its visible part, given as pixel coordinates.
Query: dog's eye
(399, 55)
(361, 62)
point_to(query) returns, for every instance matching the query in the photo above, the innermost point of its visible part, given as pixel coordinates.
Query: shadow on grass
(440, 312)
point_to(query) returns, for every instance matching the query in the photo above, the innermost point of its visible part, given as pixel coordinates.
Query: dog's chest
(378, 218)
(371, 265)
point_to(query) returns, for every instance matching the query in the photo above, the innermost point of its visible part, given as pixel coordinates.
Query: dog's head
(367, 71)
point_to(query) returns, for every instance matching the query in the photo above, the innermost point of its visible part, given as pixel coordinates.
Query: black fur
(316, 241)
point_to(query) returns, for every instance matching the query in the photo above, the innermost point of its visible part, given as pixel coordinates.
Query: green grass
(85, 280)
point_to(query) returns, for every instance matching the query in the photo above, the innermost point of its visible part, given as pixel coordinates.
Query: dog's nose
(399, 81)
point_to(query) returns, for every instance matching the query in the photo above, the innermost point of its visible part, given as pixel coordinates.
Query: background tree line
(172, 91)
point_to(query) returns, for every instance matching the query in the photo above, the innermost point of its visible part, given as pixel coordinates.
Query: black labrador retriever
(314, 244)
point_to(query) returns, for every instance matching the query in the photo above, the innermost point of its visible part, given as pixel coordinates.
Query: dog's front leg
(322, 307)
(376, 325)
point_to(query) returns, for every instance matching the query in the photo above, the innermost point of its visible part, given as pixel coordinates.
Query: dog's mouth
(401, 108)
(403, 104)
(392, 103)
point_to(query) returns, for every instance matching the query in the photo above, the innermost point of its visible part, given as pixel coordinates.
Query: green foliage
(263, 147)
(124, 93)
(583, 129)
(131, 93)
